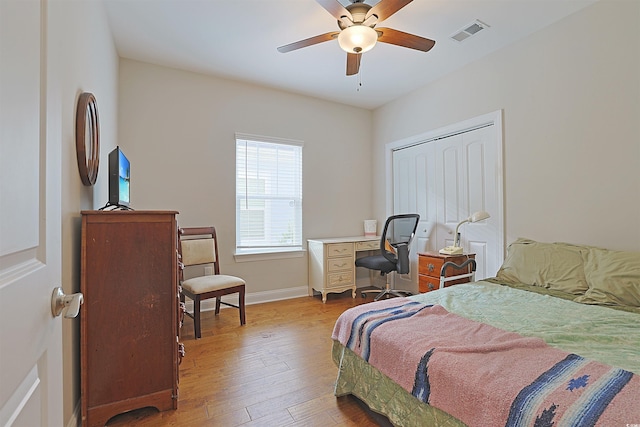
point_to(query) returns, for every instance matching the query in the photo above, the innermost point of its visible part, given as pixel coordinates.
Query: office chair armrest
(402, 263)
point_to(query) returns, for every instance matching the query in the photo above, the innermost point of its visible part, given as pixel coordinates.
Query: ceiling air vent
(469, 30)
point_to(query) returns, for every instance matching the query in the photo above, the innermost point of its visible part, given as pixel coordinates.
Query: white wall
(81, 51)
(178, 130)
(571, 100)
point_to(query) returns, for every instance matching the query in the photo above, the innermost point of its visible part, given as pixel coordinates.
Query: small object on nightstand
(430, 264)
(451, 250)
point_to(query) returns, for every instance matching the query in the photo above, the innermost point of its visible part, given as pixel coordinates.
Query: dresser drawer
(427, 283)
(340, 279)
(368, 246)
(339, 249)
(431, 266)
(342, 263)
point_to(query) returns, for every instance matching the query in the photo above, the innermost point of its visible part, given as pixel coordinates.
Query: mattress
(599, 333)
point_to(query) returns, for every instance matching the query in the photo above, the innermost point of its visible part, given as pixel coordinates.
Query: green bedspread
(599, 333)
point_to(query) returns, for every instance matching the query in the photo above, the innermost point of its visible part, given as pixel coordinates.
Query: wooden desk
(429, 265)
(332, 263)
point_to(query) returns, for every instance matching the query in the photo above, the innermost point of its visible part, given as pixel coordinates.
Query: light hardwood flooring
(274, 371)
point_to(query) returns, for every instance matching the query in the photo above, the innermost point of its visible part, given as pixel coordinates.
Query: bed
(553, 339)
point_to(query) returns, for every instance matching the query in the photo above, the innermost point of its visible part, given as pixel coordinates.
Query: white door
(445, 181)
(414, 192)
(30, 266)
(466, 166)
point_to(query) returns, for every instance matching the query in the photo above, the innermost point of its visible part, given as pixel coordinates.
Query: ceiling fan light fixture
(357, 38)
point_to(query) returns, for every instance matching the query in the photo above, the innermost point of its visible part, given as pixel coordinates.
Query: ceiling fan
(358, 34)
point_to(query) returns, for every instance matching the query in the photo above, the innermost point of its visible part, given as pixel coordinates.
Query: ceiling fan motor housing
(358, 13)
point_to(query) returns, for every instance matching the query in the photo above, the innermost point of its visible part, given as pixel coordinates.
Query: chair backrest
(197, 246)
(398, 232)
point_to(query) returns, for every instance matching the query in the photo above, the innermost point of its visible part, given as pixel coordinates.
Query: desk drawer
(339, 249)
(337, 264)
(340, 279)
(368, 246)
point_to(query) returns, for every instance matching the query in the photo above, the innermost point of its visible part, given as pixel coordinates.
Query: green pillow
(557, 266)
(613, 277)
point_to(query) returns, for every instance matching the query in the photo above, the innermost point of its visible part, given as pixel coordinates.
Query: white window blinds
(268, 193)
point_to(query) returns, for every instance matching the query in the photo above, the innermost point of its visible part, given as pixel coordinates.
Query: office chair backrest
(398, 232)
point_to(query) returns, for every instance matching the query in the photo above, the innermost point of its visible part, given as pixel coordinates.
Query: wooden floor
(274, 371)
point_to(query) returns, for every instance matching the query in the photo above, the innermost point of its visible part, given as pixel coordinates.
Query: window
(268, 194)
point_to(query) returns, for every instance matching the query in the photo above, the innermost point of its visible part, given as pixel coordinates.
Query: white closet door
(445, 181)
(414, 172)
(467, 182)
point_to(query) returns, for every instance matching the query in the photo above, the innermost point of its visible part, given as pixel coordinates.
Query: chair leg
(218, 305)
(196, 317)
(385, 291)
(393, 292)
(241, 306)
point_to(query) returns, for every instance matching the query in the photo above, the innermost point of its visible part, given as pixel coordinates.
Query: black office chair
(394, 252)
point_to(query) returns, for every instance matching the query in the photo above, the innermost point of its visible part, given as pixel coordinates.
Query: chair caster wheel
(364, 295)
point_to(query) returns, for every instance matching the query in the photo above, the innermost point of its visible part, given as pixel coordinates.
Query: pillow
(557, 266)
(613, 277)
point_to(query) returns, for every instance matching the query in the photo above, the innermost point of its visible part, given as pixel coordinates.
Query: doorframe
(494, 118)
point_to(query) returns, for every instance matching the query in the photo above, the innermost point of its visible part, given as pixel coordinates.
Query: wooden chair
(199, 246)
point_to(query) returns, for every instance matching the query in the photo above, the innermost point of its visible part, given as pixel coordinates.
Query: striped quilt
(485, 376)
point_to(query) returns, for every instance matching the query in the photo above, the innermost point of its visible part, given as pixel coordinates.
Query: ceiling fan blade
(334, 8)
(386, 8)
(399, 38)
(353, 63)
(308, 42)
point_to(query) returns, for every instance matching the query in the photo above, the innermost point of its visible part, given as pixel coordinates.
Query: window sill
(248, 256)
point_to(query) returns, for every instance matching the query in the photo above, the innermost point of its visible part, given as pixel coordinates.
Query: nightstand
(429, 265)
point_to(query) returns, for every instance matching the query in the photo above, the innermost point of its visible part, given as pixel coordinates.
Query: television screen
(119, 178)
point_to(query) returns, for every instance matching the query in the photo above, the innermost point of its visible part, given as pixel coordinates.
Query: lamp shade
(479, 216)
(357, 38)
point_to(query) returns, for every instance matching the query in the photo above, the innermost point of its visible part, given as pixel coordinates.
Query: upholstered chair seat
(214, 282)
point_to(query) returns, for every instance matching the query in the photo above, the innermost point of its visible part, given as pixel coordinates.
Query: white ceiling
(237, 39)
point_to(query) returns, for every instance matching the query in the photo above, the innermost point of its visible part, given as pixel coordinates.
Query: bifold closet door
(445, 181)
(414, 191)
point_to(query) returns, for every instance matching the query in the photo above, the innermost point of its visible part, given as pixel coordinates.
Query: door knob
(60, 302)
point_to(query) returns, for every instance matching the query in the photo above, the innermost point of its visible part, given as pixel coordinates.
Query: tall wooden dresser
(129, 346)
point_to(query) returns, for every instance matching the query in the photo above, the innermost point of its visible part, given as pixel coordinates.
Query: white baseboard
(253, 298)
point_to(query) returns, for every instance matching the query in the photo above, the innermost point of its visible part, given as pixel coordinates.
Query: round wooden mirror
(87, 138)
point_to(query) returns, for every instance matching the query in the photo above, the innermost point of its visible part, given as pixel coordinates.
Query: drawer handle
(341, 265)
(431, 267)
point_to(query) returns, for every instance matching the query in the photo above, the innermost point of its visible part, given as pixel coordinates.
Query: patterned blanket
(485, 376)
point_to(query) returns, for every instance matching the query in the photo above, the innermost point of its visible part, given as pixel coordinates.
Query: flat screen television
(119, 179)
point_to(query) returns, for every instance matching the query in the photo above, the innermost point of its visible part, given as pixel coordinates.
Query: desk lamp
(456, 249)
